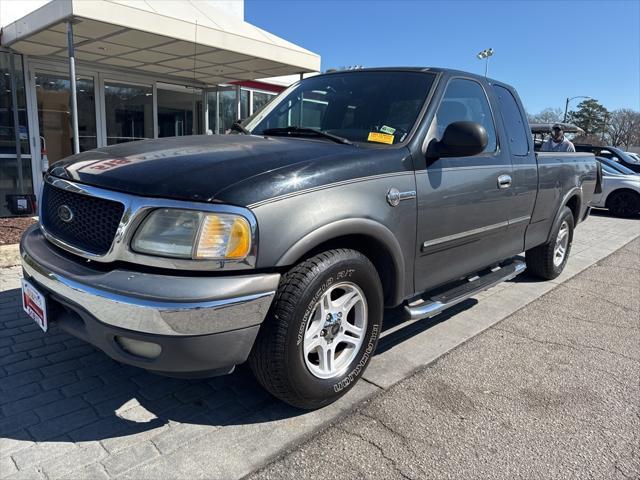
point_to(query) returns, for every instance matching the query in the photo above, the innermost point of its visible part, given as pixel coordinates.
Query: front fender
(348, 227)
(291, 227)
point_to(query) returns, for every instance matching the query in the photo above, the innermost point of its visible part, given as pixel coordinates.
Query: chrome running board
(436, 304)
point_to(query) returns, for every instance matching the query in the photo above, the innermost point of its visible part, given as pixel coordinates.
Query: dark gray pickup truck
(283, 243)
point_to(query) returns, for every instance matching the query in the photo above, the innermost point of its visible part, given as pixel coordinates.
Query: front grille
(93, 224)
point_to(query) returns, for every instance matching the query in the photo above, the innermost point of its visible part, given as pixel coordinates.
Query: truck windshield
(367, 106)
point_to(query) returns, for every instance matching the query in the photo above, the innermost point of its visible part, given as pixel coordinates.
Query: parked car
(283, 244)
(620, 189)
(634, 156)
(613, 153)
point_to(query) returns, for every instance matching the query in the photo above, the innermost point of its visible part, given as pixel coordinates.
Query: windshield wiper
(294, 130)
(237, 126)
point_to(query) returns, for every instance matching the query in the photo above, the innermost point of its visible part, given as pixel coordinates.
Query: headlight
(193, 234)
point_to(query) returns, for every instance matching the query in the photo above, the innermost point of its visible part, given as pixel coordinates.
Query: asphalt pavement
(69, 411)
(552, 391)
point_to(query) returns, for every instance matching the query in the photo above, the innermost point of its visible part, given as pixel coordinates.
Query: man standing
(557, 142)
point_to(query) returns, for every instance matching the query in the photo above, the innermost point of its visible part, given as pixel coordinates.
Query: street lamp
(485, 54)
(566, 105)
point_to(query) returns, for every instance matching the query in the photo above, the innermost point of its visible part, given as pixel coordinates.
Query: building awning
(172, 38)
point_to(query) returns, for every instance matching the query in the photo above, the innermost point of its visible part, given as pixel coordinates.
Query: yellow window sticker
(380, 137)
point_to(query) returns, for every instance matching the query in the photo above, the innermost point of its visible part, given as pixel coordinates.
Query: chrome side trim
(475, 231)
(524, 219)
(395, 196)
(115, 305)
(467, 233)
(136, 208)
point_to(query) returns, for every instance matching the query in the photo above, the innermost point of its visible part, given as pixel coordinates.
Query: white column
(72, 83)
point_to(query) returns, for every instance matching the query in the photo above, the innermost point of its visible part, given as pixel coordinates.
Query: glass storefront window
(227, 104)
(128, 112)
(53, 94)
(178, 107)
(15, 173)
(260, 99)
(245, 98)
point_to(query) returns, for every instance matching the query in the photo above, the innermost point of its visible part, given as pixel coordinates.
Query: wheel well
(374, 250)
(620, 190)
(574, 205)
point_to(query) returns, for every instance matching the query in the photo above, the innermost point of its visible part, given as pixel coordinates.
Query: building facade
(168, 69)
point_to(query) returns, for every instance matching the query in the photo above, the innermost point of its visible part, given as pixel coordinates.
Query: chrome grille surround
(136, 208)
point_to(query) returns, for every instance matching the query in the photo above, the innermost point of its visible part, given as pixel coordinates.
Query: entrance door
(179, 110)
(463, 210)
(53, 95)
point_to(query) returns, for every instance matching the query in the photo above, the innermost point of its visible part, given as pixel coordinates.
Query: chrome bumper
(149, 302)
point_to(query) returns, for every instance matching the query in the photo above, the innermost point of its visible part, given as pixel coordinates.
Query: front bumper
(199, 324)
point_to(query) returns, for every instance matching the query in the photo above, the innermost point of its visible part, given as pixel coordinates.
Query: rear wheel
(548, 260)
(624, 203)
(322, 329)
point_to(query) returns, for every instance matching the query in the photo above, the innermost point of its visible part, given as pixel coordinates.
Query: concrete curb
(9, 255)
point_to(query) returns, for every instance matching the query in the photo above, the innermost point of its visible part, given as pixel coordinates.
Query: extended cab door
(463, 203)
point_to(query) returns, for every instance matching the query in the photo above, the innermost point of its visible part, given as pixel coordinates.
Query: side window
(513, 122)
(465, 100)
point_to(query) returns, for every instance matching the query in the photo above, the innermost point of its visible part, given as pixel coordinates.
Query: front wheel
(548, 260)
(322, 329)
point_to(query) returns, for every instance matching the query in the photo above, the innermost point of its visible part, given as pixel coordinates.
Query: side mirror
(460, 139)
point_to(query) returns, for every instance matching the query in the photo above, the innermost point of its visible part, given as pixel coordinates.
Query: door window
(513, 121)
(53, 94)
(465, 100)
(128, 111)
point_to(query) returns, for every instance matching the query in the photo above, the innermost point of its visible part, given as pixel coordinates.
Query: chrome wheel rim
(562, 243)
(335, 330)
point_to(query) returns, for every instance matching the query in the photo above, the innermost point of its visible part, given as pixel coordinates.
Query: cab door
(463, 202)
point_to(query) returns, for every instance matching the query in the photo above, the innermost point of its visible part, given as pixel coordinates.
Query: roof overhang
(177, 39)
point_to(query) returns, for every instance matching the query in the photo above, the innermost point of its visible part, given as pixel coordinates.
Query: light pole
(485, 54)
(566, 105)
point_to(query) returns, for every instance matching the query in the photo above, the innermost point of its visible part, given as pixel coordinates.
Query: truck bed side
(563, 179)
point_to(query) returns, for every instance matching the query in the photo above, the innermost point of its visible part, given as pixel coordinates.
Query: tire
(278, 360)
(624, 203)
(542, 261)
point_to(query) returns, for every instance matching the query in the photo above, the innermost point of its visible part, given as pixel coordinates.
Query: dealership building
(143, 69)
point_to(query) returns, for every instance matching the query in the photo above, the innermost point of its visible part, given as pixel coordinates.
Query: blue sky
(547, 50)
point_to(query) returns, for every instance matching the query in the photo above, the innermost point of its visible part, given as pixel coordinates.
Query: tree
(548, 115)
(623, 128)
(590, 116)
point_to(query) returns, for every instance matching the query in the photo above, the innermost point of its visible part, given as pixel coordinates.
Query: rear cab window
(514, 124)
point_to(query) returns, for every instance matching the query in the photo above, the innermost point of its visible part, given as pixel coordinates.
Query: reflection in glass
(54, 114)
(244, 104)
(128, 111)
(227, 101)
(260, 99)
(176, 107)
(7, 135)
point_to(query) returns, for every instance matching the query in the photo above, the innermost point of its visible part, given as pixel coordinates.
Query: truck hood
(236, 169)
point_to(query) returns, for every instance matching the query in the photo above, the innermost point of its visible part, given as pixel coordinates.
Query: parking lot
(68, 411)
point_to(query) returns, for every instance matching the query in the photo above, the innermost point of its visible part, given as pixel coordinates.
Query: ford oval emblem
(65, 213)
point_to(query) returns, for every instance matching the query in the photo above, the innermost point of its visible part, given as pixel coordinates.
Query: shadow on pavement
(54, 387)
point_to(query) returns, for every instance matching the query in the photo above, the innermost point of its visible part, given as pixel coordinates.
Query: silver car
(620, 189)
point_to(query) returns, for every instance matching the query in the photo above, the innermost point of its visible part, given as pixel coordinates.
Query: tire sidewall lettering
(353, 375)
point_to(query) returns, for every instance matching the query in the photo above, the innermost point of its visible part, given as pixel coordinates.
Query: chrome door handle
(504, 181)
